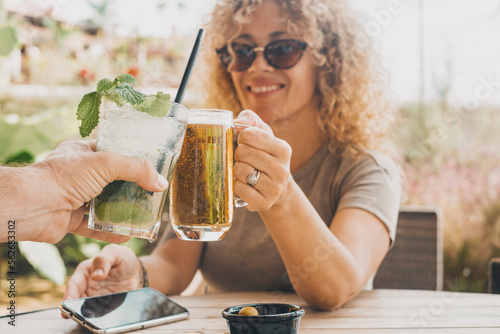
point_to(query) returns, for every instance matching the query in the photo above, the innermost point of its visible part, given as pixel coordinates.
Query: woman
(323, 213)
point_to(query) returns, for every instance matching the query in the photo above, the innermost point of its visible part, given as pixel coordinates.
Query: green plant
(8, 40)
(24, 138)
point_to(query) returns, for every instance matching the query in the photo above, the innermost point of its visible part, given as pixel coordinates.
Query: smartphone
(124, 311)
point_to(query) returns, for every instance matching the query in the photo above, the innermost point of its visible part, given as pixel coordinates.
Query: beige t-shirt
(247, 258)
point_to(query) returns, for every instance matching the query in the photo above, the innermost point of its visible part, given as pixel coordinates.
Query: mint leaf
(112, 96)
(156, 105)
(105, 85)
(119, 91)
(88, 112)
(130, 94)
(125, 78)
(8, 40)
(124, 191)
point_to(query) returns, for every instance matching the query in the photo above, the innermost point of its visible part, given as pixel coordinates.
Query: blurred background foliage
(46, 65)
(451, 160)
(449, 153)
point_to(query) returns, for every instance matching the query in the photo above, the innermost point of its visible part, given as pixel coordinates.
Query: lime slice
(122, 212)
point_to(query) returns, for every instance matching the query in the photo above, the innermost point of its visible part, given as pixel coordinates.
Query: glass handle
(239, 127)
(239, 202)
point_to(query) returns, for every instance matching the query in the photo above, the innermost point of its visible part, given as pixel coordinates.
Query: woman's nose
(260, 63)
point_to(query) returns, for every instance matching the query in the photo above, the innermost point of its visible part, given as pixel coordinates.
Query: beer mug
(201, 192)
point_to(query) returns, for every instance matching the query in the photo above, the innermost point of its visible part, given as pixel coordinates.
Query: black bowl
(273, 318)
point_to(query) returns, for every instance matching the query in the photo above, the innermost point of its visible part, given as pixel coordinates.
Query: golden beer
(201, 192)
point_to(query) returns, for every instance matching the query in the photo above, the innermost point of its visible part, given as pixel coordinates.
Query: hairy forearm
(23, 198)
(321, 269)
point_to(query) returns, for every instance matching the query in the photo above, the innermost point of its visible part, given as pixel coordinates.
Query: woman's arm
(170, 269)
(173, 264)
(327, 266)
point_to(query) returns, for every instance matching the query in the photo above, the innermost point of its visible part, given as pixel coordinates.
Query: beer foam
(223, 117)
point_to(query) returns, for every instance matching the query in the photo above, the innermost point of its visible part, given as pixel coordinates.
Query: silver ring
(253, 177)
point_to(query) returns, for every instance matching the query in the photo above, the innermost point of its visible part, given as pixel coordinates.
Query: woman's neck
(303, 134)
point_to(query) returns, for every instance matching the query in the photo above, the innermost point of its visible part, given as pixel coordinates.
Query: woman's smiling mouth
(264, 89)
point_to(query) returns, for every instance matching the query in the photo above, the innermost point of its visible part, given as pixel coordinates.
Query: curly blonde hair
(354, 113)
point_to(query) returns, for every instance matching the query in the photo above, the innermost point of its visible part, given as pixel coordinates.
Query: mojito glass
(124, 207)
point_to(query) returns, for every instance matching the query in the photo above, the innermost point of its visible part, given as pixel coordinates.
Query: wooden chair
(416, 259)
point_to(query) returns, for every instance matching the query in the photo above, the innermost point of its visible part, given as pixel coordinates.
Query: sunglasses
(281, 54)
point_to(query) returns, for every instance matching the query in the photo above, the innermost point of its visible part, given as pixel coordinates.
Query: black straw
(189, 68)
(184, 82)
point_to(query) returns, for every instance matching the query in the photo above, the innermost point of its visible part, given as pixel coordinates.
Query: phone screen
(123, 309)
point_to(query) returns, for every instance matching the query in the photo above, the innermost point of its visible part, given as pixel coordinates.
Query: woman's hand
(115, 269)
(258, 148)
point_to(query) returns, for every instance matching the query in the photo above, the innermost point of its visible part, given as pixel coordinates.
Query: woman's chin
(269, 115)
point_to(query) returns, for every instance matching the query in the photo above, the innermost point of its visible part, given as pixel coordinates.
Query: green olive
(248, 310)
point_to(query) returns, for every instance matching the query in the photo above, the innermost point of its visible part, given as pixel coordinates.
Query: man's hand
(49, 199)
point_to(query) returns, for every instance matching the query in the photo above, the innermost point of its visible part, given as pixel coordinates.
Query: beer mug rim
(212, 110)
(220, 117)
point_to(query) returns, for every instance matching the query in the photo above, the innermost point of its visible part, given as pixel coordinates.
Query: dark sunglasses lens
(244, 56)
(224, 56)
(284, 54)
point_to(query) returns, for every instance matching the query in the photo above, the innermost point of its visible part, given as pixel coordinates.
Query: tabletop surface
(377, 311)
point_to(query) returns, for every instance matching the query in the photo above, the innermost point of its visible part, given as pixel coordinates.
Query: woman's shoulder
(370, 160)
(382, 160)
(340, 165)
